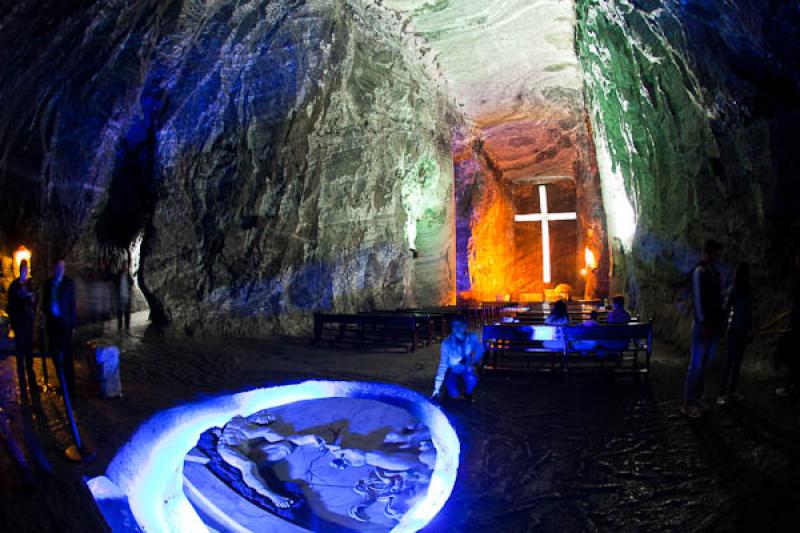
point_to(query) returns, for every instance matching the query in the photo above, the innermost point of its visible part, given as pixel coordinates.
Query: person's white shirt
(460, 355)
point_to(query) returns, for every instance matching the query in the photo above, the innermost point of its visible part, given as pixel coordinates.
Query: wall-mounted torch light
(22, 254)
(589, 261)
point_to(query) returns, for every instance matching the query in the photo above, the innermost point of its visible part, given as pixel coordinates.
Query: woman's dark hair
(459, 318)
(742, 280)
(560, 310)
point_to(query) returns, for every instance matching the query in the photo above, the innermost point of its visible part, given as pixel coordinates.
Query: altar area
(537, 238)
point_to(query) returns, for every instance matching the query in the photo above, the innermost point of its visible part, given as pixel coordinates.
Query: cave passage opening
(130, 204)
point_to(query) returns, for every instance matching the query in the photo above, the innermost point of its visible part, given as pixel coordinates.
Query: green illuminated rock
(692, 104)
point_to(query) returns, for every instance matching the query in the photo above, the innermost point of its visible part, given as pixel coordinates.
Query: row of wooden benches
(514, 347)
(404, 328)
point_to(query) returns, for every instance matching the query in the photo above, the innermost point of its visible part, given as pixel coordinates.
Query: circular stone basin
(351, 456)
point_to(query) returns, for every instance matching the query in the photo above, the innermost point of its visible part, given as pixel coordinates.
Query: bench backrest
(611, 332)
(526, 333)
(517, 333)
(386, 320)
(336, 318)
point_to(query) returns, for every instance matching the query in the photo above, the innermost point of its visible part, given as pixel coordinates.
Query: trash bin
(107, 364)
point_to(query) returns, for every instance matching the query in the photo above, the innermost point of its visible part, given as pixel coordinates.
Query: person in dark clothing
(707, 326)
(59, 308)
(123, 285)
(619, 315)
(22, 315)
(739, 308)
(792, 340)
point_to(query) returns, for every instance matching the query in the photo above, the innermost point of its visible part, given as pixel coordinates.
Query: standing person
(739, 309)
(22, 315)
(707, 325)
(790, 342)
(123, 284)
(618, 314)
(59, 308)
(461, 352)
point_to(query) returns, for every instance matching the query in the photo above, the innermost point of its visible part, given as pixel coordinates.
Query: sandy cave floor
(537, 454)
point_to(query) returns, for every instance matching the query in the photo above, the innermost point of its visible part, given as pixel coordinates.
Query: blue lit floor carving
(168, 477)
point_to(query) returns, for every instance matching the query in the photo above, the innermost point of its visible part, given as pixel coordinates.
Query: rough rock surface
(694, 106)
(278, 157)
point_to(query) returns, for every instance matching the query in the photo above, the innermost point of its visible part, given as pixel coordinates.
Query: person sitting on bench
(587, 345)
(618, 314)
(461, 353)
(593, 315)
(559, 316)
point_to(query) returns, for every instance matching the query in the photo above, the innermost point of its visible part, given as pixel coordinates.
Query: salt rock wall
(484, 223)
(693, 106)
(278, 157)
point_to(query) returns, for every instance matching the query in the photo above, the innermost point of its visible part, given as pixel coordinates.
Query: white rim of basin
(148, 469)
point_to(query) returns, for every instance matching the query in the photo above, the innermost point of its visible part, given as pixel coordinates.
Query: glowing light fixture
(22, 254)
(591, 262)
(545, 218)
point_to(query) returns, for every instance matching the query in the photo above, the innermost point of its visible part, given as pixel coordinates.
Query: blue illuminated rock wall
(280, 157)
(694, 105)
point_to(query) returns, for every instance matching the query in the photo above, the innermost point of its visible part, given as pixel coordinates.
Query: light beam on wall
(620, 214)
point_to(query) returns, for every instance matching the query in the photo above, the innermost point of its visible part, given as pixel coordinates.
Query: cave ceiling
(511, 64)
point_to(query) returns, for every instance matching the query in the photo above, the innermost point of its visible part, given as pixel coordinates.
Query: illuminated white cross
(545, 218)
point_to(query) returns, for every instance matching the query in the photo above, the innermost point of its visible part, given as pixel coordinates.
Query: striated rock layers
(694, 106)
(278, 157)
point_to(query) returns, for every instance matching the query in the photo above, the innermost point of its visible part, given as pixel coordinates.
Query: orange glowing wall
(491, 257)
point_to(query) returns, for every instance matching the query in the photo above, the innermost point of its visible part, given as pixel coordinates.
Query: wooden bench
(426, 324)
(363, 329)
(440, 318)
(519, 346)
(575, 318)
(619, 343)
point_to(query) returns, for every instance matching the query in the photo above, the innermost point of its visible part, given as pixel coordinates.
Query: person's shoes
(692, 411)
(784, 392)
(702, 404)
(722, 400)
(736, 397)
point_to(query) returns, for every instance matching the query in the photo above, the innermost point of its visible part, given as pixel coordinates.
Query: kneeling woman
(461, 353)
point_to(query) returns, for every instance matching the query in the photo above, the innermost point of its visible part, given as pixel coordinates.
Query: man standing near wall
(22, 315)
(788, 346)
(123, 285)
(59, 308)
(707, 325)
